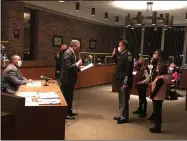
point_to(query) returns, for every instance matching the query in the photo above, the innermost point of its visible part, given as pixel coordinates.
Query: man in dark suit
(70, 67)
(58, 59)
(12, 77)
(124, 79)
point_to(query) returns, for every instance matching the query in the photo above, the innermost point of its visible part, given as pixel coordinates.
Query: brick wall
(50, 24)
(12, 14)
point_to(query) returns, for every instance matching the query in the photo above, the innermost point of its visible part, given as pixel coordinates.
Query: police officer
(58, 59)
(124, 79)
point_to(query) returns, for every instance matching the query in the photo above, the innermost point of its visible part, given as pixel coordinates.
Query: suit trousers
(124, 96)
(68, 94)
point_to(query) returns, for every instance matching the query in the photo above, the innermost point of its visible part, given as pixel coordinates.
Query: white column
(163, 38)
(185, 47)
(142, 43)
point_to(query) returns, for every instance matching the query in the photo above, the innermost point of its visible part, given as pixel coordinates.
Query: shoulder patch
(130, 58)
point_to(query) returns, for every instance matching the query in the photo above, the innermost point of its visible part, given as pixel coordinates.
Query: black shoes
(121, 121)
(137, 111)
(141, 113)
(117, 118)
(155, 130)
(73, 114)
(70, 117)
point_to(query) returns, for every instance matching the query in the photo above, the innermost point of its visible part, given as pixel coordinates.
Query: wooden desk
(44, 122)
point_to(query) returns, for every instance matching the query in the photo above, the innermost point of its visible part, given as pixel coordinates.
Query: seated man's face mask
(19, 63)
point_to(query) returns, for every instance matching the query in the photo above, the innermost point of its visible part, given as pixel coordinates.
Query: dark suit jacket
(124, 69)
(58, 59)
(12, 79)
(69, 68)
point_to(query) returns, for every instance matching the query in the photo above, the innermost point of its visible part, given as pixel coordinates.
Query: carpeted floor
(98, 105)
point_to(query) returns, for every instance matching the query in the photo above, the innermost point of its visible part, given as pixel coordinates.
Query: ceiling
(68, 8)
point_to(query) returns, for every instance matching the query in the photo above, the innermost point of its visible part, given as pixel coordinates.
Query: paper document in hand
(28, 94)
(87, 67)
(48, 95)
(34, 84)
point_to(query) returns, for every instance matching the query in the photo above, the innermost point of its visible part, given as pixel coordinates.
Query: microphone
(45, 78)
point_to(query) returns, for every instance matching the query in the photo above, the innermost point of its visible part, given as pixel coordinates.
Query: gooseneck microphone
(46, 79)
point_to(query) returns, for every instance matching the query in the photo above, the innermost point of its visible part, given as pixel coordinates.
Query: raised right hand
(114, 52)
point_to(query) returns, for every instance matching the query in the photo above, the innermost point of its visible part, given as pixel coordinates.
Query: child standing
(158, 92)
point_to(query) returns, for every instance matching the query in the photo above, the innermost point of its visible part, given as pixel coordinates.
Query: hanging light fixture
(77, 6)
(166, 19)
(155, 27)
(154, 18)
(117, 19)
(139, 18)
(171, 22)
(143, 27)
(106, 16)
(148, 16)
(132, 26)
(93, 12)
(128, 20)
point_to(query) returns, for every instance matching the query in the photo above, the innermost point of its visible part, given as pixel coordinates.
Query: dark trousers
(157, 105)
(142, 98)
(68, 95)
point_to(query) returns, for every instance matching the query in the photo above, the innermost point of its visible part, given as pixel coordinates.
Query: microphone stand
(46, 80)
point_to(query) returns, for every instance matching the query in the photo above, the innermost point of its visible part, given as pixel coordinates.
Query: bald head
(63, 47)
(75, 44)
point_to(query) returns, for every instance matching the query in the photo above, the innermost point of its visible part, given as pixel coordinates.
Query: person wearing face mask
(71, 64)
(124, 79)
(12, 77)
(141, 80)
(158, 57)
(158, 92)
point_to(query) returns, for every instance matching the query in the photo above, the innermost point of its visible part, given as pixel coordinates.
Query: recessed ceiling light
(157, 5)
(61, 1)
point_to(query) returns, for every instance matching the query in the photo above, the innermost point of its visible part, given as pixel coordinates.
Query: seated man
(11, 76)
(172, 70)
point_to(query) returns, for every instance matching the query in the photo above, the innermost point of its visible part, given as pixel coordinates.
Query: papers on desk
(87, 67)
(34, 84)
(48, 95)
(48, 101)
(48, 98)
(28, 94)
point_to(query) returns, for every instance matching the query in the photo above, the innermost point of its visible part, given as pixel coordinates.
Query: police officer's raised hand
(114, 52)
